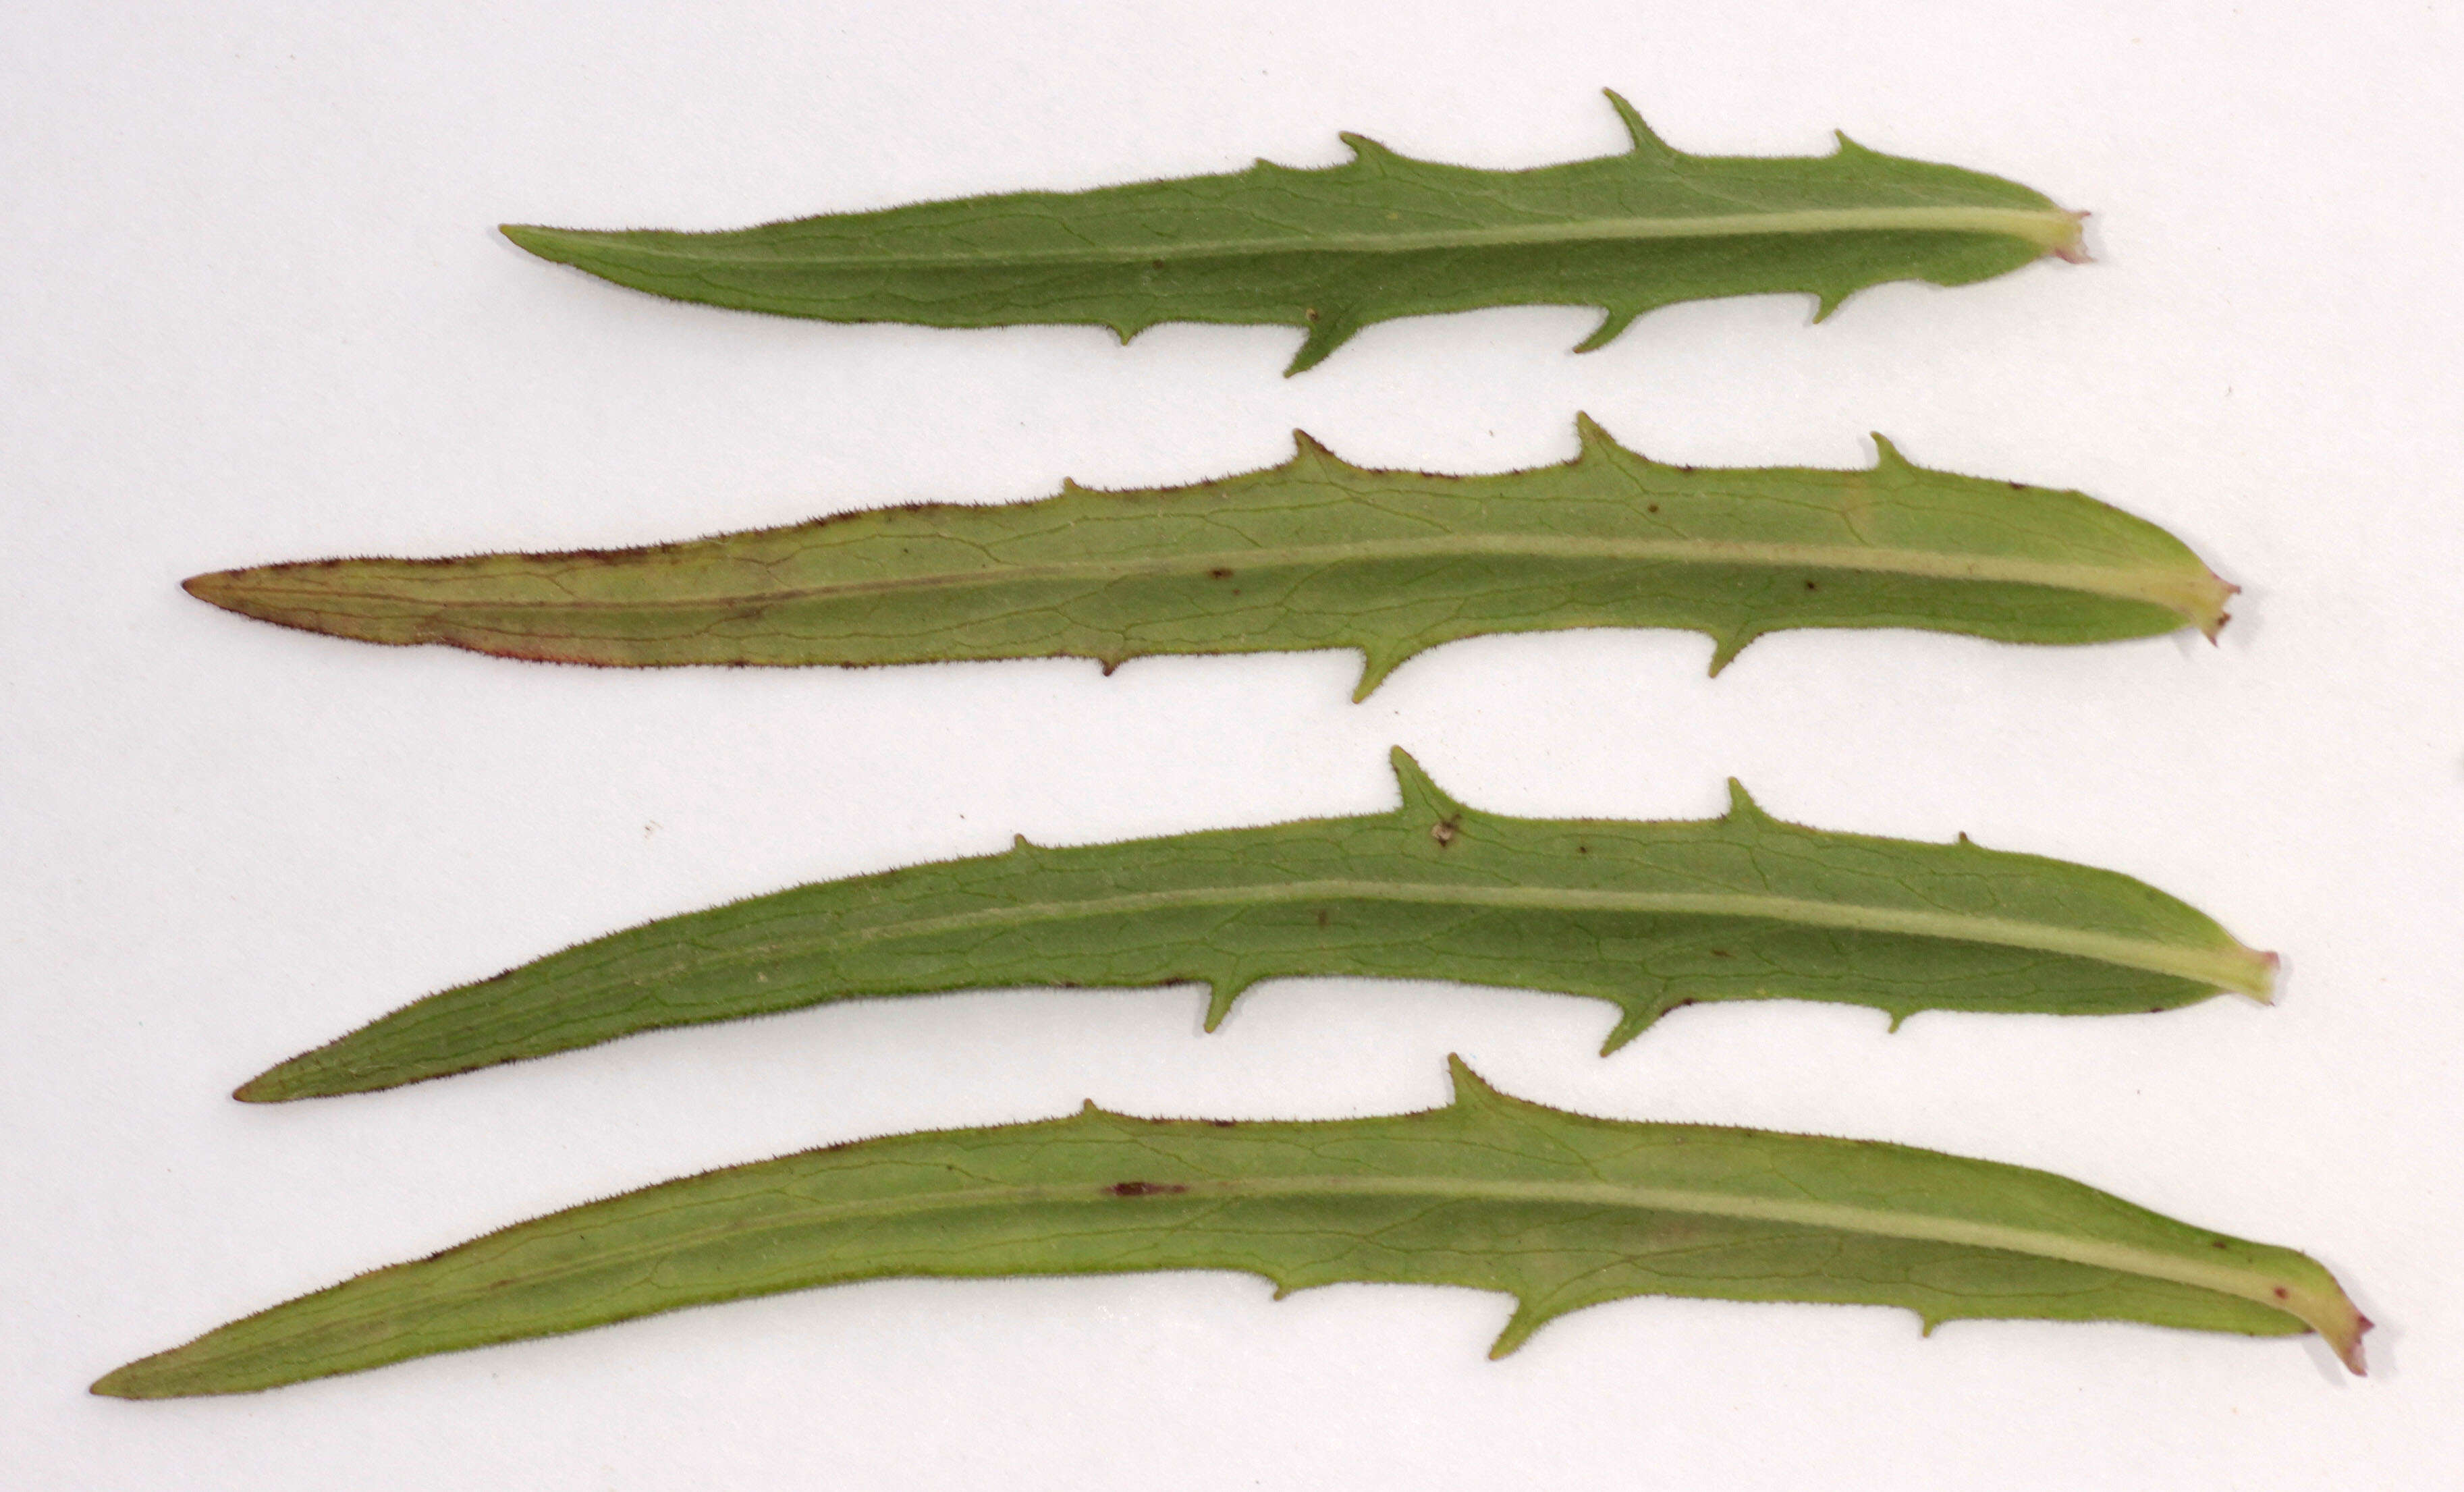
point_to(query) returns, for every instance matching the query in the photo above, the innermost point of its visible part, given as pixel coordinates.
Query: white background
(251, 308)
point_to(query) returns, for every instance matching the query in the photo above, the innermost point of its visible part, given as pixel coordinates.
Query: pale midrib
(2237, 970)
(2170, 588)
(2047, 228)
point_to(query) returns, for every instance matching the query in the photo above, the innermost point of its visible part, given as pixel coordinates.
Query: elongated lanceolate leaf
(1646, 916)
(1558, 1210)
(1315, 553)
(1334, 250)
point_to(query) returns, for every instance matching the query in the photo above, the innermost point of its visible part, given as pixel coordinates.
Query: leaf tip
(1887, 457)
(279, 1084)
(1219, 996)
(214, 587)
(553, 244)
(166, 1375)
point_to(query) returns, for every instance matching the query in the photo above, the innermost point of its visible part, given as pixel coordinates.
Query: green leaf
(1337, 248)
(1492, 1193)
(1646, 916)
(1315, 553)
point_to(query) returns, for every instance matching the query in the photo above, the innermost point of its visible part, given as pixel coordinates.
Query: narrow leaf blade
(1491, 1193)
(1334, 249)
(1313, 554)
(1646, 916)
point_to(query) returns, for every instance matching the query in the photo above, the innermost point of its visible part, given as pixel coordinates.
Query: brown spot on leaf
(1221, 574)
(1147, 1187)
(2282, 1294)
(1444, 831)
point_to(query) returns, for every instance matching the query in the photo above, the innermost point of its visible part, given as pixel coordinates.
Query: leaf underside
(1646, 916)
(1313, 554)
(1334, 250)
(1492, 1193)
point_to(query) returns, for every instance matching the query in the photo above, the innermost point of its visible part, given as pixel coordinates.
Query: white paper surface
(251, 308)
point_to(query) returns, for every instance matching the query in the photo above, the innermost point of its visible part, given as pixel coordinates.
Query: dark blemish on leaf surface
(1221, 574)
(1444, 831)
(2281, 1293)
(1321, 916)
(1147, 1187)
